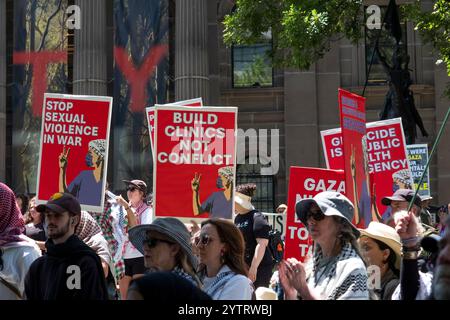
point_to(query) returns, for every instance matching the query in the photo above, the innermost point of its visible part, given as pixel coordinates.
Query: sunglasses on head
(152, 242)
(316, 215)
(204, 239)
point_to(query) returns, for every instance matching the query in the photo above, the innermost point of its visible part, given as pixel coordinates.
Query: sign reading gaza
(195, 152)
(306, 183)
(73, 153)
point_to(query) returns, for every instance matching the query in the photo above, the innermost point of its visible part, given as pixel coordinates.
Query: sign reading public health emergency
(195, 161)
(306, 183)
(418, 157)
(197, 102)
(73, 153)
(387, 158)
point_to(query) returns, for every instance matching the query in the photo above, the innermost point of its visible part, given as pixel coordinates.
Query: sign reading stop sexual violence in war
(386, 155)
(197, 102)
(74, 148)
(306, 183)
(195, 152)
(418, 157)
(353, 125)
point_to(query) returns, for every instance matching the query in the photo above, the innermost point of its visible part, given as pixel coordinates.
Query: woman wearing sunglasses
(166, 246)
(221, 249)
(137, 212)
(336, 269)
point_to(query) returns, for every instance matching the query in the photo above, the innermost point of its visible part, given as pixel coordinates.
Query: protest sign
(276, 220)
(387, 160)
(418, 157)
(150, 111)
(74, 148)
(306, 183)
(353, 125)
(195, 166)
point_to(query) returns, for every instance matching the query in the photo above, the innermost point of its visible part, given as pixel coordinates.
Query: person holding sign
(336, 271)
(87, 185)
(218, 204)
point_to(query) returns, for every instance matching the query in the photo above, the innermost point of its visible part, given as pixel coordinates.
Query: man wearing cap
(400, 201)
(425, 215)
(70, 270)
(87, 185)
(218, 204)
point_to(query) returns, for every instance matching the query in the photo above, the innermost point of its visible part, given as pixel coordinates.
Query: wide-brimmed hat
(243, 200)
(263, 293)
(387, 235)
(172, 228)
(61, 202)
(331, 204)
(404, 195)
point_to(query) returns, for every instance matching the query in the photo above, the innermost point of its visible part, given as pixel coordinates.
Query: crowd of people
(57, 251)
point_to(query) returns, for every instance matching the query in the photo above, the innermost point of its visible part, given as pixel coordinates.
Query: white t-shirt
(17, 258)
(130, 252)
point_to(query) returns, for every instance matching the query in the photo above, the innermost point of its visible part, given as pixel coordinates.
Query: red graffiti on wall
(39, 62)
(138, 77)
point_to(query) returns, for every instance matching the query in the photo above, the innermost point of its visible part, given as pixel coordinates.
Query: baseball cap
(61, 202)
(331, 204)
(139, 184)
(402, 195)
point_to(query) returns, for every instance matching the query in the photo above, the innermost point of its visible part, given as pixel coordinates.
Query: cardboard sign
(353, 125)
(195, 161)
(197, 102)
(418, 157)
(306, 183)
(73, 153)
(387, 160)
(276, 220)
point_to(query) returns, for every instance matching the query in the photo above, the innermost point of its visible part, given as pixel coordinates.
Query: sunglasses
(131, 188)
(153, 242)
(204, 239)
(316, 215)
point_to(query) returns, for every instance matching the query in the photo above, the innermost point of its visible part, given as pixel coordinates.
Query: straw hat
(387, 235)
(263, 293)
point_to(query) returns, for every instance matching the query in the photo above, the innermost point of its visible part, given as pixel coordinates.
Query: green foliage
(434, 27)
(257, 72)
(302, 29)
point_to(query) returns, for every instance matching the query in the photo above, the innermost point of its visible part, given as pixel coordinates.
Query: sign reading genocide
(386, 160)
(73, 153)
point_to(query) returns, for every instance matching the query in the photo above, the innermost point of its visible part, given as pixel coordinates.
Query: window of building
(252, 65)
(264, 200)
(386, 43)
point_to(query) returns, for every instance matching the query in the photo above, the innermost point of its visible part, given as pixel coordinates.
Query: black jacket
(51, 278)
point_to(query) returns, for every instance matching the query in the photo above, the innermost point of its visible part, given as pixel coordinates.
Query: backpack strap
(11, 287)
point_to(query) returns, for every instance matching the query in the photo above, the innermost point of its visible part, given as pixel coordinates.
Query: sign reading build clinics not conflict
(74, 148)
(195, 152)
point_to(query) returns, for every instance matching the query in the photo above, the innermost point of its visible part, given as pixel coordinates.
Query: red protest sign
(306, 183)
(387, 159)
(195, 166)
(197, 102)
(357, 182)
(74, 148)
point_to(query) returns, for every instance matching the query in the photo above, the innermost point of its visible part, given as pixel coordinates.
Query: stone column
(2, 89)
(191, 56)
(89, 66)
